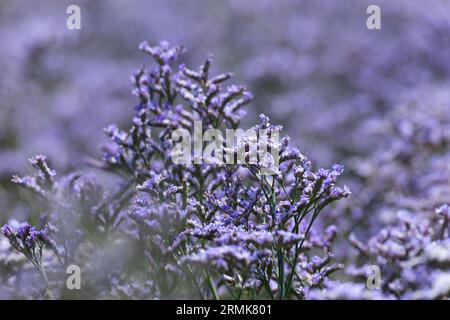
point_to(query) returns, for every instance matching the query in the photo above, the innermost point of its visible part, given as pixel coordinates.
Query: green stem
(44, 276)
(212, 287)
(266, 284)
(281, 273)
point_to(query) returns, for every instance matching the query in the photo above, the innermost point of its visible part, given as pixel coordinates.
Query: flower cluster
(380, 110)
(247, 232)
(29, 240)
(413, 256)
(409, 223)
(209, 230)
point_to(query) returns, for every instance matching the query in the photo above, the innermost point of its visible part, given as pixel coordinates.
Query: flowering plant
(207, 230)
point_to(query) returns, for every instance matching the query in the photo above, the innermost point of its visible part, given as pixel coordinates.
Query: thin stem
(444, 227)
(281, 273)
(212, 287)
(298, 249)
(44, 276)
(266, 284)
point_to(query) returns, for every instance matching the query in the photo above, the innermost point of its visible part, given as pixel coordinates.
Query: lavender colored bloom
(380, 110)
(191, 224)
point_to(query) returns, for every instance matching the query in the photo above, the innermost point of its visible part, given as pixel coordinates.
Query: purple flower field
(340, 188)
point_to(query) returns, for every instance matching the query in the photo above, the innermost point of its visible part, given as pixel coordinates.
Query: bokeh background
(376, 101)
(313, 66)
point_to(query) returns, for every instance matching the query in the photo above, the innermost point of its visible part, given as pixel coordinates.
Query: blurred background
(341, 91)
